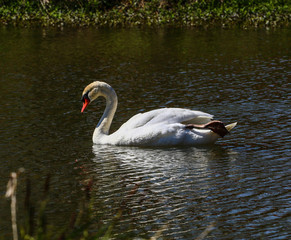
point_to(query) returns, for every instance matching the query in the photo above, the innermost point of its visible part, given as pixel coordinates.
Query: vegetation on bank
(195, 13)
(35, 226)
(84, 223)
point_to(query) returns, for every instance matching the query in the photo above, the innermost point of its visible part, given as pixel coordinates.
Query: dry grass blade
(11, 193)
(11, 185)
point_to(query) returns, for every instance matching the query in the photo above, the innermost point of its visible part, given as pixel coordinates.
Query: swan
(160, 127)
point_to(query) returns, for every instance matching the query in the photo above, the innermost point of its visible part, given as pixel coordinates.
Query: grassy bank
(195, 13)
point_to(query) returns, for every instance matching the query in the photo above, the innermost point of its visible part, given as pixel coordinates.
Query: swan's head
(90, 93)
(95, 90)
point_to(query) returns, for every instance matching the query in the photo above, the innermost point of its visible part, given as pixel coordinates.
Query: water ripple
(242, 184)
(184, 194)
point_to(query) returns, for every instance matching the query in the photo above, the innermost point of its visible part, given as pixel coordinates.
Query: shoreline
(267, 14)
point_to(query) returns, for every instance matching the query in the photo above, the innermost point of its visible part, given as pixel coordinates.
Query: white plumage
(161, 127)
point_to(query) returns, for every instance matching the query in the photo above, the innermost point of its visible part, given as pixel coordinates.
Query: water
(241, 185)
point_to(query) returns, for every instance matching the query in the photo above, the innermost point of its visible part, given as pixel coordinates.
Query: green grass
(191, 13)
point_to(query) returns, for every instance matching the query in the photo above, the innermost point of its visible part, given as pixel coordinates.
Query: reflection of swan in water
(164, 158)
(161, 127)
(158, 186)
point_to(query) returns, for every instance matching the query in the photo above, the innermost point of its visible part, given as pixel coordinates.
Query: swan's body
(161, 127)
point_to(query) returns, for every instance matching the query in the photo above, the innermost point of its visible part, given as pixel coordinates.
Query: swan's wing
(166, 116)
(180, 115)
(160, 127)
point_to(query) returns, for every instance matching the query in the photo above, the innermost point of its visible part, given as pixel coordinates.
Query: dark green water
(242, 183)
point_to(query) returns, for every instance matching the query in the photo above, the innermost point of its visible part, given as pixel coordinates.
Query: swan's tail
(230, 126)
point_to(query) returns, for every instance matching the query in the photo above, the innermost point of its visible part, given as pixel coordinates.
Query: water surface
(241, 185)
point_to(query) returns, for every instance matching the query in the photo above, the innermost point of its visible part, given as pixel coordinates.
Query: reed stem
(11, 193)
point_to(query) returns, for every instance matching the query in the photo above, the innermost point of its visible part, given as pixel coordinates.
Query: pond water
(240, 187)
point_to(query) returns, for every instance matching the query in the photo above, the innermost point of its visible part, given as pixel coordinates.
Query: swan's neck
(111, 104)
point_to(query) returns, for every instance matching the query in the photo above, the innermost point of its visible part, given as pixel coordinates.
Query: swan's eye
(85, 97)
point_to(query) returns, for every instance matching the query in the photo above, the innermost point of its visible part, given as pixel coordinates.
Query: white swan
(161, 127)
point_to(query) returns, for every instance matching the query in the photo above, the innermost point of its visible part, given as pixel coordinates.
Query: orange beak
(85, 104)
